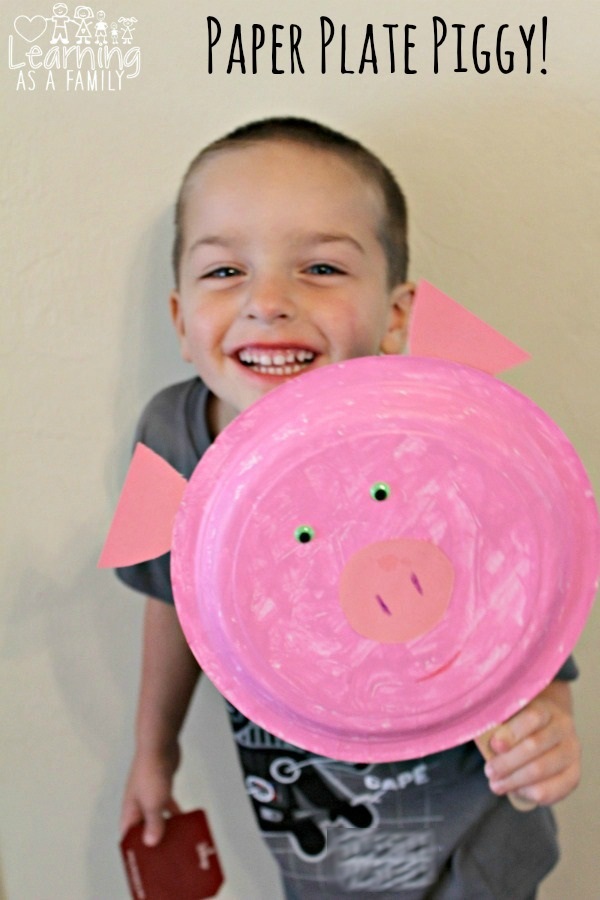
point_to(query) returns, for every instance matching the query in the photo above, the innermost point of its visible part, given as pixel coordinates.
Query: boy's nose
(269, 299)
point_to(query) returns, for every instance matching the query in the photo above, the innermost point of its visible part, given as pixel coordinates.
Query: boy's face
(281, 271)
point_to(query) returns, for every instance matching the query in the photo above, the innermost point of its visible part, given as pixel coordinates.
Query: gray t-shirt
(425, 828)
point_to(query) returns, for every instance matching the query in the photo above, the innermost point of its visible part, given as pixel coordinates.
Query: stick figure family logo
(82, 51)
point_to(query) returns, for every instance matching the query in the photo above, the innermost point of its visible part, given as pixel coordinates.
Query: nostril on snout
(387, 562)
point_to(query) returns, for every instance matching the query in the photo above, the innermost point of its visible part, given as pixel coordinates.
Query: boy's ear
(401, 301)
(179, 324)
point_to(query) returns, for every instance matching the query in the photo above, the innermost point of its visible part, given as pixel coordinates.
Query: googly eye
(304, 534)
(380, 491)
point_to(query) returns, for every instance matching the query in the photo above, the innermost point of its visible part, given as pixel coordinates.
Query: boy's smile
(282, 362)
(281, 270)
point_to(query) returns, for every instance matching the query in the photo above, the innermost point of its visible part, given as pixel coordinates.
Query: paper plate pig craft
(382, 558)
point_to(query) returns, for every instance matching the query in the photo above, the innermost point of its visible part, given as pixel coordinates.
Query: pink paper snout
(395, 591)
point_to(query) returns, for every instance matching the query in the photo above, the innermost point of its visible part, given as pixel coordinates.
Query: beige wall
(502, 176)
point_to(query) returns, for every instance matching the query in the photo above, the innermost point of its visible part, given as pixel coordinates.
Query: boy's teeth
(284, 361)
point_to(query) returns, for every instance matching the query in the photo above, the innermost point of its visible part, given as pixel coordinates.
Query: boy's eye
(323, 269)
(223, 272)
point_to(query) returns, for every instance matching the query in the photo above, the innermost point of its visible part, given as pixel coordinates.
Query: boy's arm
(538, 752)
(169, 675)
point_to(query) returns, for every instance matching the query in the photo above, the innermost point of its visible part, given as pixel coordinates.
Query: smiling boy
(281, 270)
(290, 254)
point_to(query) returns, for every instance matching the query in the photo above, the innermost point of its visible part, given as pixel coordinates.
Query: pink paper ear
(441, 328)
(142, 526)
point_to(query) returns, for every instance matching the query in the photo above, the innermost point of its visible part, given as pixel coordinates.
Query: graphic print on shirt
(337, 822)
(291, 792)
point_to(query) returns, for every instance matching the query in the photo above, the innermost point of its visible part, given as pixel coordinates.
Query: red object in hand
(184, 865)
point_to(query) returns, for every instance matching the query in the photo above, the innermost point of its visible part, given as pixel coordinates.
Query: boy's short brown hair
(393, 231)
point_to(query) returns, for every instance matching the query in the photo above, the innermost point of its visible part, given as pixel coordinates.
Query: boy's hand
(538, 755)
(148, 796)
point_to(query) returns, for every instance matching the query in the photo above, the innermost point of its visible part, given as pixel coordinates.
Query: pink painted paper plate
(385, 557)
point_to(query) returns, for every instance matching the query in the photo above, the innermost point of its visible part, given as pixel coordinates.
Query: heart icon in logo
(30, 29)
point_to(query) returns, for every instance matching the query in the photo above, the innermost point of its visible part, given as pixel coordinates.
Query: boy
(290, 253)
